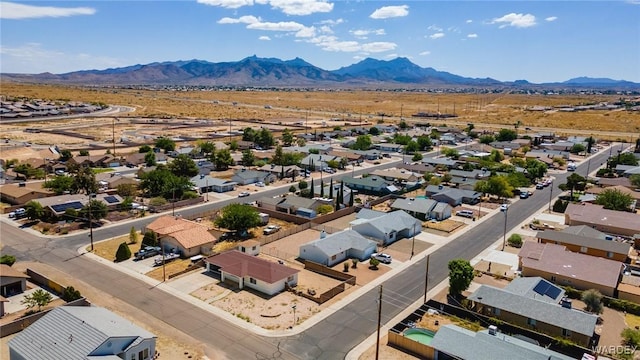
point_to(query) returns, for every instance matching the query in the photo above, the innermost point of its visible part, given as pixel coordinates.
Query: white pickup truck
(165, 258)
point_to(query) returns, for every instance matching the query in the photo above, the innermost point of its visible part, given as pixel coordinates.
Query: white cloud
(228, 4)
(425, 53)
(264, 38)
(249, 19)
(551, 18)
(515, 20)
(363, 34)
(436, 36)
(435, 28)
(301, 7)
(9, 10)
(380, 46)
(306, 32)
(386, 12)
(469, 21)
(331, 43)
(277, 26)
(326, 29)
(472, 36)
(332, 22)
(32, 58)
(391, 56)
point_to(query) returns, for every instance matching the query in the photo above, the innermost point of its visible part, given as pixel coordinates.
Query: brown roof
(630, 289)
(555, 259)
(15, 191)
(345, 154)
(623, 189)
(596, 214)
(8, 271)
(623, 181)
(240, 264)
(189, 234)
(249, 243)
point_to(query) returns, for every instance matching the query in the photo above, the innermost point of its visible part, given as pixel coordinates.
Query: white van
(465, 213)
(571, 167)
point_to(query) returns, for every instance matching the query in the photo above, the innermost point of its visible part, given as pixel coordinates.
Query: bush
(303, 185)
(7, 259)
(572, 293)
(515, 240)
(560, 206)
(324, 209)
(373, 263)
(123, 252)
(189, 195)
(292, 189)
(150, 239)
(157, 201)
(593, 301)
(630, 337)
(70, 294)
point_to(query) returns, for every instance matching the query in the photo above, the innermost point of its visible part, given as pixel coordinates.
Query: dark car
(147, 251)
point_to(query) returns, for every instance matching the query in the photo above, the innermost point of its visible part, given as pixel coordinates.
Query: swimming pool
(422, 336)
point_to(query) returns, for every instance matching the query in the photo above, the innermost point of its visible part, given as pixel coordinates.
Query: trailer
(165, 258)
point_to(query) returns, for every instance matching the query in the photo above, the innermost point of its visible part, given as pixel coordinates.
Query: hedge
(612, 303)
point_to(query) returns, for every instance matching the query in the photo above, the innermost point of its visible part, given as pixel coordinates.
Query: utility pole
(504, 234)
(91, 196)
(426, 281)
(379, 319)
(550, 192)
(113, 134)
(413, 242)
(173, 202)
(164, 274)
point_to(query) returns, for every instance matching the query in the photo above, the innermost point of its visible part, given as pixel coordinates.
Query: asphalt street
(331, 338)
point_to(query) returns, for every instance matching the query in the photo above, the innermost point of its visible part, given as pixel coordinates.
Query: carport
(11, 281)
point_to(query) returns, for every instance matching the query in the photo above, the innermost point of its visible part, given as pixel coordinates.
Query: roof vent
(493, 330)
(323, 234)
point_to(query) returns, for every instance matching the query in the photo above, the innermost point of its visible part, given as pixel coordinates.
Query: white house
(386, 227)
(265, 276)
(82, 332)
(335, 248)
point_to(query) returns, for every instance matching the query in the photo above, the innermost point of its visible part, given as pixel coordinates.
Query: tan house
(585, 240)
(398, 176)
(608, 221)
(186, 237)
(560, 266)
(12, 281)
(22, 193)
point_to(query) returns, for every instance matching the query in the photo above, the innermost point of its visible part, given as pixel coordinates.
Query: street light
(504, 235)
(91, 196)
(550, 194)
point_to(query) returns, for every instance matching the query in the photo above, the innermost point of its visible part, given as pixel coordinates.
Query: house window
(609, 254)
(531, 322)
(252, 280)
(553, 279)
(133, 356)
(253, 248)
(290, 279)
(333, 257)
(583, 249)
(566, 333)
(496, 312)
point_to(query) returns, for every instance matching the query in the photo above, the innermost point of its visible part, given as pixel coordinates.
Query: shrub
(292, 189)
(7, 259)
(189, 195)
(593, 301)
(150, 239)
(630, 337)
(324, 209)
(303, 185)
(515, 240)
(123, 252)
(70, 294)
(157, 201)
(572, 293)
(560, 206)
(373, 263)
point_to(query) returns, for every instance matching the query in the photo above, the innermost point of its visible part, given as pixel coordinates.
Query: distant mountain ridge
(274, 72)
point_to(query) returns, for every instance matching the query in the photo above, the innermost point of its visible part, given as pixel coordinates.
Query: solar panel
(553, 291)
(59, 208)
(542, 287)
(111, 199)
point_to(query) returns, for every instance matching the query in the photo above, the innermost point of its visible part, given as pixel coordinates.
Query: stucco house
(186, 237)
(206, 183)
(586, 240)
(82, 332)
(599, 218)
(246, 177)
(22, 193)
(333, 249)
(423, 209)
(371, 184)
(11, 281)
(246, 270)
(386, 228)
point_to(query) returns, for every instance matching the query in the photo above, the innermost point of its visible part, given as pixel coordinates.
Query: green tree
(70, 294)
(331, 189)
(265, 139)
(424, 143)
(460, 276)
(403, 125)
(324, 209)
(150, 159)
(593, 301)
(373, 263)
(536, 169)
(84, 180)
(248, 158)
(97, 208)
(450, 152)
(614, 199)
(363, 142)
(590, 142)
(223, 159)
(401, 139)
(84, 153)
(144, 149)
(127, 190)
(278, 156)
(560, 206)
(506, 135)
(574, 182)
(150, 238)
(34, 210)
(287, 137)
(59, 184)
(248, 134)
(301, 142)
(499, 186)
(37, 298)
(123, 253)
(183, 165)
(165, 144)
(133, 236)
(411, 147)
(206, 147)
(486, 139)
(65, 155)
(635, 180)
(417, 157)
(233, 145)
(7, 259)
(292, 189)
(515, 240)
(496, 155)
(162, 182)
(630, 337)
(238, 217)
(374, 131)
(312, 190)
(626, 158)
(302, 185)
(577, 148)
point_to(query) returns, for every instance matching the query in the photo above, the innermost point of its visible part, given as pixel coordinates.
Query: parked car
(504, 207)
(382, 257)
(244, 194)
(271, 229)
(259, 184)
(540, 186)
(465, 213)
(524, 194)
(59, 172)
(18, 213)
(147, 251)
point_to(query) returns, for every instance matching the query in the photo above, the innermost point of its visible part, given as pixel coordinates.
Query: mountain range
(273, 72)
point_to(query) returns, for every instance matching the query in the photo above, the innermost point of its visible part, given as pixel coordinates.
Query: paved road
(331, 338)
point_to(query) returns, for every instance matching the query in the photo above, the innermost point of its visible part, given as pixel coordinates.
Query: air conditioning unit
(493, 330)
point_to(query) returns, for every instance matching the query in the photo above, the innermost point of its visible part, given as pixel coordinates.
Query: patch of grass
(632, 320)
(107, 249)
(101, 170)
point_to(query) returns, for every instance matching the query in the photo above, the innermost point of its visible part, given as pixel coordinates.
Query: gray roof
(342, 241)
(204, 181)
(525, 286)
(584, 230)
(268, 200)
(372, 181)
(250, 174)
(298, 202)
(466, 344)
(392, 221)
(542, 311)
(439, 161)
(73, 332)
(593, 243)
(440, 207)
(417, 205)
(369, 214)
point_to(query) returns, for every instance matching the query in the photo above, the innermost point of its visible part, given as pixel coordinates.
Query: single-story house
(635, 195)
(104, 161)
(186, 237)
(138, 158)
(277, 170)
(206, 183)
(418, 168)
(442, 161)
(535, 313)
(397, 176)
(371, 184)
(251, 271)
(317, 161)
(333, 249)
(599, 218)
(548, 154)
(346, 192)
(423, 209)
(370, 155)
(12, 281)
(82, 332)
(291, 203)
(586, 240)
(386, 228)
(389, 147)
(452, 196)
(352, 157)
(560, 266)
(454, 342)
(246, 177)
(22, 193)
(619, 181)
(113, 181)
(190, 151)
(57, 205)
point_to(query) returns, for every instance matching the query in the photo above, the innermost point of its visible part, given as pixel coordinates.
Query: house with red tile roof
(189, 238)
(251, 271)
(560, 266)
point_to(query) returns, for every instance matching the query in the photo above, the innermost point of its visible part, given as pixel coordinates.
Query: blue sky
(540, 41)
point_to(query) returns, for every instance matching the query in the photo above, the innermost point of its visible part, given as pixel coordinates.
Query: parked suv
(147, 251)
(382, 257)
(465, 213)
(271, 229)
